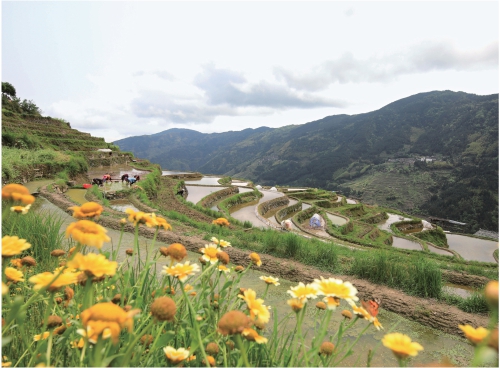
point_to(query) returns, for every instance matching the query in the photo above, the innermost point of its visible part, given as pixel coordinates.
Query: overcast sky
(120, 69)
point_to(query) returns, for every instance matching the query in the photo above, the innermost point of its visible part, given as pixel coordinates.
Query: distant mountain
(459, 129)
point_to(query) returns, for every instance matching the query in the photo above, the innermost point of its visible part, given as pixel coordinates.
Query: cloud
(421, 58)
(222, 92)
(163, 74)
(225, 87)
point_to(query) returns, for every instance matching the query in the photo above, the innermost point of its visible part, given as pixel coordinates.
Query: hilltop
(433, 153)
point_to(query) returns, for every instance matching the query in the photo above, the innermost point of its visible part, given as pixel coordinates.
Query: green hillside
(456, 130)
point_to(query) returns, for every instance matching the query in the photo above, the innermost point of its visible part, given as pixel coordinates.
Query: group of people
(107, 178)
(129, 180)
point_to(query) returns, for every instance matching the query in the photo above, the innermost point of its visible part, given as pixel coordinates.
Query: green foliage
(8, 89)
(418, 276)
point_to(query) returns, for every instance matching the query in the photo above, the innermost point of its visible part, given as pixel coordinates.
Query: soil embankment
(429, 312)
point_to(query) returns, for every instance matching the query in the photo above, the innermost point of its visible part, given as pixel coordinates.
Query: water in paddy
(206, 180)
(34, 185)
(460, 290)
(351, 201)
(392, 219)
(196, 193)
(246, 212)
(77, 195)
(166, 173)
(472, 249)
(405, 244)
(122, 205)
(435, 343)
(116, 171)
(336, 220)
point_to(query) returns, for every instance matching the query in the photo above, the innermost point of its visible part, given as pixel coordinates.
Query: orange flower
(401, 345)
(108, 316)
(332, 302)
(474, 335)
(160, 222)
(326, 348)
(93, 264)
(296, 304)
(16, 262)
(233, 322)
(221, 221)
(223, 257)
(251, 335)
(181, 271)
(87, 210)
(17, 192)
(12, 246)
(88, 233)
(21, 209)
(210, 253)
(362, 312)
(491, 293)
(176, 252)
(163, 309)
(377, 324)
(347, 314)
(255, 259)
(256, 306)
(13, 275)
(321, 305)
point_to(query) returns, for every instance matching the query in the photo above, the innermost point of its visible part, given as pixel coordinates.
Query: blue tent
(315, 221)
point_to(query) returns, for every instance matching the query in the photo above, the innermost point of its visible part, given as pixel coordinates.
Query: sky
(120, 69)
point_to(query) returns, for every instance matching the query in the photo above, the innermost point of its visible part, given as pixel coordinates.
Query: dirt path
(429, 312)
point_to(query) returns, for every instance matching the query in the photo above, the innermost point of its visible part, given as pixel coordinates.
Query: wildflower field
(66, 302)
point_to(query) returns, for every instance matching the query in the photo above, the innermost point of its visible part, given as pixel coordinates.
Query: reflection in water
(121, 205)
(460, 290)
(435, 343)
(336, 220)
(246, 212)
(206, 180)
(77, 195)
(195, 193)
(165, 173)
(472, 249)
(405, 244)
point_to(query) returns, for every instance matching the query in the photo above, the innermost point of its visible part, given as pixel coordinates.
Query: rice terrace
(250, 184)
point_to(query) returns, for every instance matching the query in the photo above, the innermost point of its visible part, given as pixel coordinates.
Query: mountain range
(454, 133)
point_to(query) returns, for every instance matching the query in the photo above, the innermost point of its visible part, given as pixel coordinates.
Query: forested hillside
(455, 133)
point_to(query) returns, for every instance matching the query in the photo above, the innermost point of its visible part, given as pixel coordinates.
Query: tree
(8, 89)
(29, 107)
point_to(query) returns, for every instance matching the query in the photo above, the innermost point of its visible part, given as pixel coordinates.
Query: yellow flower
(12, 246)
(91, 335)
(93, 264)
(87, 210)
(17, 192)
(41, 336)
(336, 288)
(181, 271)
(47, 279)
(108, 316)
(175, 356)
(474, 335)
(362, 312)
(377, 324)
(21, 209)
(5, 289)
(332, 302)
(88, 233)
(16, 262)
(401, 345)
(296, 304)
(210, 253)
(214, 240)
(161, 222)
(142, 218)
(270, 280)
(224, 244)
(223, 268)
(251, 335)
(255, 259)
(303, 292)
(13, 275)
(256, 307)
(221, 221)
